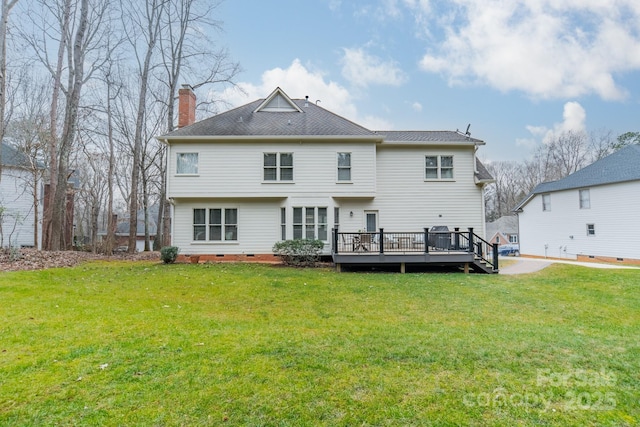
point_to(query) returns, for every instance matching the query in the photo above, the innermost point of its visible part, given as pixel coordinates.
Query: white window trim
(546, 208)
(190, 173)
(594, 230)
(439, 168)
(316, 224)
(338, 167)
(207, 226)
(588, 200)
(278, 168)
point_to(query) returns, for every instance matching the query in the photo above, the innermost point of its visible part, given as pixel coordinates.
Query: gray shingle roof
(13, 157)
(426, 136)
(621, 166)
(504, 224)
(482, 174)
(244, 121)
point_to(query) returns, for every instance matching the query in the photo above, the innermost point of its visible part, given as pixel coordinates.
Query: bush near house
(299, 253)
(168, 254)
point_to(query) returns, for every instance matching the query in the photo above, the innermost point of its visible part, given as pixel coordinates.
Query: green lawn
(141, 344)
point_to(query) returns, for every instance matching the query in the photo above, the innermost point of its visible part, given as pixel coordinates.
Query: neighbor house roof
(621, 166)
(12, 157)
(504, 224)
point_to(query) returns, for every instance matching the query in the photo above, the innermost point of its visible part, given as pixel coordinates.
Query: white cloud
(298, 81)
(545, 48)
(574, 119)
(362, 69)
(416, 106)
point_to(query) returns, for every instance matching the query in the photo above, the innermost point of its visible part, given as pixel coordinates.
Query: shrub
(168, 254)
(299, 253)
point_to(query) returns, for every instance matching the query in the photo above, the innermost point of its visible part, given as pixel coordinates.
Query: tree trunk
(59, 220)
(47, 223)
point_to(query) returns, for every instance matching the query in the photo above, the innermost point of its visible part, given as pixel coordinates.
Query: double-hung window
(219, 224)
(344, 167)
(186, 163)
(310, 223)
(438, 167)
(278, 166)
(585, 199)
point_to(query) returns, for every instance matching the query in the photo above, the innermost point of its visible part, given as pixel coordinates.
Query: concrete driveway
(525, 265)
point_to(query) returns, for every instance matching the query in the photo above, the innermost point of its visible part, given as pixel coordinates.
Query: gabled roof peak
(278, 102)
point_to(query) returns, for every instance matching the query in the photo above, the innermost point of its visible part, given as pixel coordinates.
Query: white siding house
(19, 220)
(281, 168)
(591, 214)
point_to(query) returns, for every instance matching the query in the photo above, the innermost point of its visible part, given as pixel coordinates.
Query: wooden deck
(425, 248)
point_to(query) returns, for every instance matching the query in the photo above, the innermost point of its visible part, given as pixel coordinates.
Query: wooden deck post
(381, 240)
(402, 267)
(335, 240)
(426, 240)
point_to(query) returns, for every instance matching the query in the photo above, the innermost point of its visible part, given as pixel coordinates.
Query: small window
(546, 202)
(297, 223)
(322, 223)
(187, 163)
(336, 218)
(283, 223)
(344, 166)
(438, 167)
(513, 238)
(585, 199)
(591, 229)
(278, 166)
(199, 224)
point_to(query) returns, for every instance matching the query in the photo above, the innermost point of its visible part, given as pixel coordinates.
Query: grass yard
(145, 344)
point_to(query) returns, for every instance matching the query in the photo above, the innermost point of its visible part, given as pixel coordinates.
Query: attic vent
(278, 103)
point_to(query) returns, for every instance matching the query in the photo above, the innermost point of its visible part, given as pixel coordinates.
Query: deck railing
(425, 241)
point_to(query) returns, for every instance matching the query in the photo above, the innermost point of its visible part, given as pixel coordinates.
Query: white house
(593, 213)
(281, 168)
(20, 207)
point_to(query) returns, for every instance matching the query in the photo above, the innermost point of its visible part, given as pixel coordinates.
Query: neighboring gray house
(503, 230)
(593, 213)
(20, 207)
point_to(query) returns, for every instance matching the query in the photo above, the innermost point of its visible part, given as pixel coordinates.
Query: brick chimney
(186, 106)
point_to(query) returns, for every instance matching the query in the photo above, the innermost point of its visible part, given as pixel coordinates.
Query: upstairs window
(438, 167)
(546, 202)
(344, 166)
(591, 229)
(278, 166)
(513, 238)
(187, 163)
(585, 199)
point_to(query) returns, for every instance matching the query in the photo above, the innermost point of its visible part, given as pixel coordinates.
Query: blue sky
(518, 71)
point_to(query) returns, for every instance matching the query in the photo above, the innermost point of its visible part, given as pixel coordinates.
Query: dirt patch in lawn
(31, 259)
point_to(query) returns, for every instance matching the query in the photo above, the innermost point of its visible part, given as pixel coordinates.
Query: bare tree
(144, 24)
(185, 46)
(507, 190)
(78, 28)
